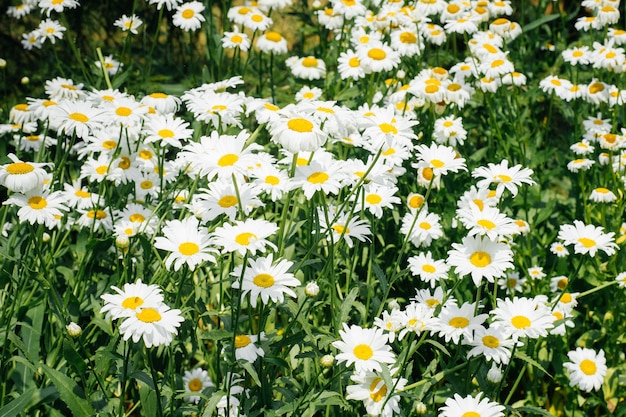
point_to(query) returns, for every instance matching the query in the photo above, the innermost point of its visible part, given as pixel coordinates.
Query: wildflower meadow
(313, 208)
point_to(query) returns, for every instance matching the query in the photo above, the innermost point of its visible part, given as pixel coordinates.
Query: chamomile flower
(377, 57)
(166, 129)
(161, 102)
(196, 381)
(587, 368)
(225, 197)
(505, 177)
(621, 279)
(471, 406)
(421, 228)
(378, 398)
(297, 131)
(265, 278)
(602, 195)
(236, 39)
(455, 323)
(377, 197)
(20, 176)
(188, 16)
(272, 181)
(416, 318)
(324, 177)
(308, 68)
(494, 343)
(39, 206)
(512, 282)
(245, 236)
(488, 221)
(246, 348)
(129, 23)
(186, 242)
(345, 227)
(76, 117)
(128, 300)
(587, 239)
(481, 258)
(441, 159)
(58, 6)
(367, 349)
(428, 269)
(272, 42)
(523, 317)
(155, 325)
(449, 131)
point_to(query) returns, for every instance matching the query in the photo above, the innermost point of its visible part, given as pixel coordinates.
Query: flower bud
(494, 375)
(420, 408)
(73, 329)
(312, 289)
(327, 361)
(25, 80)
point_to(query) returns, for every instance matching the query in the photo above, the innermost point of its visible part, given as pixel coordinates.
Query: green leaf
(70, 392)
(541, 21)
(148, 399)
(15, 407)
(532, 362)
(533, 410)
(346, 306)
(248, 367)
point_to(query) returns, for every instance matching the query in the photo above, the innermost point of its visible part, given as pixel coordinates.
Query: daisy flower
(367, 349)
(39, 206)
(188, 16)
(161, 102)
(471, 406)
(318, 176)
(166, 129)
(242, 236)
(266, 279)
(523, 317)
(440, 158)
(377, 197)
(417, 317)
(95, 219)
(246, 348)
(378, 398)
(76, 117)
(377, 57)
(128, 300)
(587, 239)
(587, 368)
(428, 269)
(196, 381)
(488, 221)
(349, 66)
(346, 228)
(503, 176)
(296, 131)
(449, 130)
(621, 279)
(421, 228)
(58, 6)
(272, 42)
(602, 195)
(20, 176)
(512, 282)
(236, 39)
(309, 68)
(50, 30)
(454, 322)
(494, 343)
(481, 258)
(127, 23)
(155, 325)
(224, 197)
(186, 243)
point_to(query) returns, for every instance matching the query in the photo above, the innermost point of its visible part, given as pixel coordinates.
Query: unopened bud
(73, 329)
(312, 289)
(420, 408)
(327, 361)
(3, 63)
(25, 80)
(494, 375)
(122, 241)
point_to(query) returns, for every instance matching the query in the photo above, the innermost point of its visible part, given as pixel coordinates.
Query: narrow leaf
(15, 407)
(70, 392)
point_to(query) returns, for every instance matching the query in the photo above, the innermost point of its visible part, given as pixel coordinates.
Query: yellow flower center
(236, 39)
(562, 283)
(459, 322)
(242, 341)
(148, 315)
(166, 133)
(20, 168)
(520, 322)
(431, 89)
(497, 63)
(586, 242)
(272, 180)
(146, 185)
(491, 341)
(227, 201)
(318, 178)
(309, 62)
(486, 224)
(577, 54)
(82, 194)
(425, 226)
(378, 390)
(470, 414)
(96, 214)
(257, 18)
(273, 36)
(566, 298)
(408, 37)
(132, 302)
(354, 62)
(79, 117)
(21, 107)
(228, 160)
(427, 173)
(245, 238)
(158, 95)
(373, 199)
(377, 54)
(596, 88)
(270, 106)
(503, 178)
(188, 248)
(300, 125)
(136, 218)
(429, 268)
(194, 385)
(123, 111)
(432, 302)
(588, 367)
(363, 351)
(388, 128)
(124, 163)
(109, 144)
(263, 280)
(188, 14)
(416, 201)
(102, 169)
(480, 259)
(339, 229)
(437, 163)
(37, 202)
